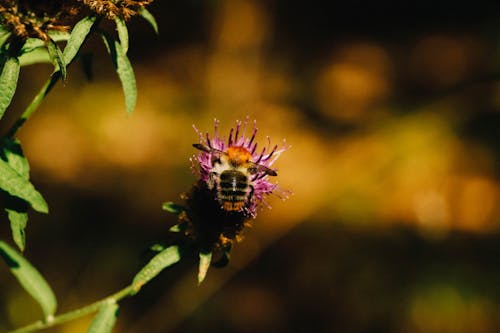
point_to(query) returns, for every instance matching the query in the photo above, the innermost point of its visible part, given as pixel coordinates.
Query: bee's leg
(211, 180)
(216, 160)
(250, 195)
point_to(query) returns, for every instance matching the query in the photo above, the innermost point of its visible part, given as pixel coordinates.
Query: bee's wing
(207, 149)
(256, 168)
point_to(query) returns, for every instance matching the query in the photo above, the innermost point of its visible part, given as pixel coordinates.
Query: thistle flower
(34, 19)
(233, 182)
(116, 8)
(236, 170)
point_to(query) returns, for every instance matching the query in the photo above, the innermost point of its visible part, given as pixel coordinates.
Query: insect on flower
(235, 170)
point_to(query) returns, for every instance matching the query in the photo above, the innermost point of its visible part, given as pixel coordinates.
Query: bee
(232, 175)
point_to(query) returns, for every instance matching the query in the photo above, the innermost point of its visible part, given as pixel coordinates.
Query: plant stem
(68, 316)
(35, 103)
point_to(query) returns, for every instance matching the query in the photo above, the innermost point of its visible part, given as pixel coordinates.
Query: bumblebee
(232, 175)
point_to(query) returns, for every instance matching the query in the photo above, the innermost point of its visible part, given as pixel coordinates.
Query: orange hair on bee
(238, 155)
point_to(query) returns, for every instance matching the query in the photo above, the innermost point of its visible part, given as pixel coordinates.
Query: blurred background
(393, 113)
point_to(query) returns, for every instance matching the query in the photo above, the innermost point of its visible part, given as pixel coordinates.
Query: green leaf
(105, 319)
(124, 70)
(8, 82)
(121, 27)
(35, 103)
(36, 56)
(35, 43)
(18, 221)
(126, 75)
(162, 260)
(149, 17)
(57, 58)
(17, 185)
(205, 259)
(12, 153)
(4, 36)
(157, 247)
(172, 207)
(30, 279)
(180, 227)
(32, 44)
(59, 36)
(77, 37)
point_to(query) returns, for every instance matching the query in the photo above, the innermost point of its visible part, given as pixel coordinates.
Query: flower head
(116, 8)
(34, 19)
(237, 170)
(234, 179)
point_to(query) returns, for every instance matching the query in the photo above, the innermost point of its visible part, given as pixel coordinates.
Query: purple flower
(237, 170)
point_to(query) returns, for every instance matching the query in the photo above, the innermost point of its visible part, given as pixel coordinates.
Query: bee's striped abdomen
(232, 190)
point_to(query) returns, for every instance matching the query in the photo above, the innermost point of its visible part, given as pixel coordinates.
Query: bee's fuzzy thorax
(238, 155)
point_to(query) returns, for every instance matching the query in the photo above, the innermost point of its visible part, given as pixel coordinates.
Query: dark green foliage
(150, 18)
(173, 208)
(30, 279)
(21, 48)
(105, 319)
(57, 58)
(166, 258)
(121, 27)
(124, 70)
(19, 186)
(205, 260)
(8, 82)
(78, 37)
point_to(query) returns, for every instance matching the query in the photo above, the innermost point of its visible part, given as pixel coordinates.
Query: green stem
(35, 103)
(68, 316)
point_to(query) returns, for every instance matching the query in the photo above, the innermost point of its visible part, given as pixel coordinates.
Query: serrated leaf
(36, 56)
(121, 27)
(77, 37)
(17, 213)
(18, 221)
(205, 259)
(30, 279)
(12, 153)
(127, 77)
(57, 58)
(162, 260)
(149, 18)
(124, 70)
(18, 186)
(105, 319)
(8, 82)
(172, 207)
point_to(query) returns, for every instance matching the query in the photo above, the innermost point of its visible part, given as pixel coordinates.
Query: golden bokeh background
(394, 123)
